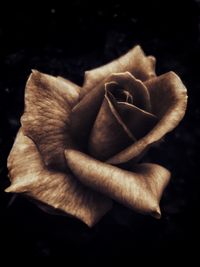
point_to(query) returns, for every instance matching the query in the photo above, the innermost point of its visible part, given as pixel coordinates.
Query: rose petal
(139, 92)
(70, 86)
(140, 190)
(169, 100)
(59, 190)
(48, 103)
(84, 114)
(135, 61)
(138, 121)
(117, 125)
(109, 134)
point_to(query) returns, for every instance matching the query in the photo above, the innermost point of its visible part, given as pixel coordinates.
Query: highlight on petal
(135, 62)
(140, 190)
(61, 191)
(71, 87)
(48, 103)
(169, 101)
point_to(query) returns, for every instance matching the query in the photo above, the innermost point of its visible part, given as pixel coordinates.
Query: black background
(66, 40)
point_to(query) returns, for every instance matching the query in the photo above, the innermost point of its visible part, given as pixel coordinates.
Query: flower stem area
(66, 41)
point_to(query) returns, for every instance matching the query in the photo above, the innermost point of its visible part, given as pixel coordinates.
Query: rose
(122, 109)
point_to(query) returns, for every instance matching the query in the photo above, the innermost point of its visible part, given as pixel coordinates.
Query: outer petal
(48, 103)
(169, 100)
(140, 190)
(135, 61)
(60, 191)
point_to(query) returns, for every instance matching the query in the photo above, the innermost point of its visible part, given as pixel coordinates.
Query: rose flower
(80, 149)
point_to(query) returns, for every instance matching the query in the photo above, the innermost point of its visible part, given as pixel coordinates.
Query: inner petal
(119, 122)
(119, 93)
(109, 134)
(137, 120)
(126, 88)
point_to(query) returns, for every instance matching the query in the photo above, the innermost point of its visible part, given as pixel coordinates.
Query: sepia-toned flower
(80, 148)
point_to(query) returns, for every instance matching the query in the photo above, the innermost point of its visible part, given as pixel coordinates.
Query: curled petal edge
(170, 114)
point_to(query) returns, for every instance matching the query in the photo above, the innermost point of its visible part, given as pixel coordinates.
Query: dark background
(66, 40)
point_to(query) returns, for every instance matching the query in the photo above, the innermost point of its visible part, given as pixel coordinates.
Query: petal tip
(10, 189)
(35, 72)
(156, 213)
(7, 190)
(90, 222)
(138, 47)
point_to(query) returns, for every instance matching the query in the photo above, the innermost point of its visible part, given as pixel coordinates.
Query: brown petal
(138, 121)
(70, 86)
(169, 100)
(48, 103)
(59, 190)
(117, 125)
(135, 61)
(109, 134)
(135, 87)
(140, 190)
(84, 114)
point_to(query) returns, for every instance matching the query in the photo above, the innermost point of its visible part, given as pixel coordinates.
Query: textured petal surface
(169, 101)
(59, 190)
(135, 61)
(140, 189)
(48, 103)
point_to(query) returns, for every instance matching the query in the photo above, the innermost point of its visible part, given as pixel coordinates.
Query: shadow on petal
(109, 134)
(140, 189)
(138, 91)
(169, 101)
(48, 103)
(84, 114)
(138, 121)
(62, 191)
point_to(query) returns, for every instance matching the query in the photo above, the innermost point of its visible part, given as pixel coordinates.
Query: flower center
(122, 95)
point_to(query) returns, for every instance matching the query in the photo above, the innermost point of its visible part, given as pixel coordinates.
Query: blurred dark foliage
(67, 40)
